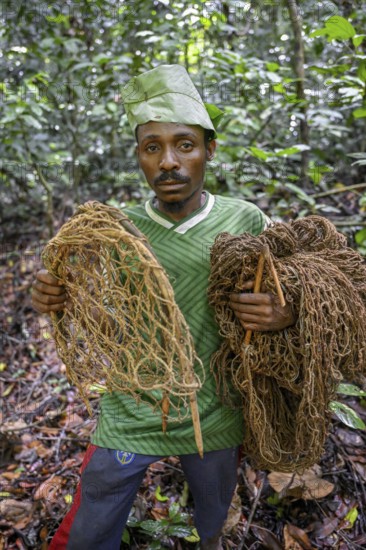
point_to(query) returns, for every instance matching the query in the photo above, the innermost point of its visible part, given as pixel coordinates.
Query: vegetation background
(291, 78)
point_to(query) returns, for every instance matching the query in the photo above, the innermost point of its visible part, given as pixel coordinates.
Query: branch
(299, 61)
(340, 190)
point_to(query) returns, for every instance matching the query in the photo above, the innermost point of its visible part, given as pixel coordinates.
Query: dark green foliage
(65, 137)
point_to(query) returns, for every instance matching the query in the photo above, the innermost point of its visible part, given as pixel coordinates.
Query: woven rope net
(286, 379)
(123, 329)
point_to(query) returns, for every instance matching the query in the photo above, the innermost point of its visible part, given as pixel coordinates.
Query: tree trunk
(299, 62)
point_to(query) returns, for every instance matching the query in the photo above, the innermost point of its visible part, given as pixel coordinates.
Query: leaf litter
(45, 431)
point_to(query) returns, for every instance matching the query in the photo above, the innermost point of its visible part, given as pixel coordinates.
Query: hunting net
(287, 378)
(122, 329)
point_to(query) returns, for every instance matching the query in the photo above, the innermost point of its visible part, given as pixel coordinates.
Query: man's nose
(168, 160)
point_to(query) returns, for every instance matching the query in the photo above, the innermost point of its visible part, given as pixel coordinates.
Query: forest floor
(45, 431)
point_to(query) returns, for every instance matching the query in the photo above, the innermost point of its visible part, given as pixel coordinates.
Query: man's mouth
(170, 183)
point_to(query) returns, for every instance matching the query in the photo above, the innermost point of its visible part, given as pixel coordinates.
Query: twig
(348, 224)
(196, 423)
(257, 286)
(251, 515)
(165, 405)
(275, 277)
(340, 190)
(58, 444)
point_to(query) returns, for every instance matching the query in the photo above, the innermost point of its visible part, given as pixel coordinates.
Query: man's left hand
(261, 311)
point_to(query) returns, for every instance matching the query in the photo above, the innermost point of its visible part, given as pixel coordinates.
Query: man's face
(173, 158)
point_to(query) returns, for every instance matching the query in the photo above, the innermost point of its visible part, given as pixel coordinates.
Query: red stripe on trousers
(61, 537)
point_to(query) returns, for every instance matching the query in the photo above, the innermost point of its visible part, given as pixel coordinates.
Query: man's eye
(187, 145)
(151, 148)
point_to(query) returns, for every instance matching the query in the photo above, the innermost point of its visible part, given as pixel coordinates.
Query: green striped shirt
(183, 249)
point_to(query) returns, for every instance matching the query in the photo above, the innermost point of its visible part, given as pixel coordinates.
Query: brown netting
(286, 379)
(123, 329)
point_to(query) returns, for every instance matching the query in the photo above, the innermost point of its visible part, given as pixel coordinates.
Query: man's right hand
(48, 294)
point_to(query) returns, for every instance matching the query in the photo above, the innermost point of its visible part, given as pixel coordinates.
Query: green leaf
(272, 67)
(337, 28)
(151, 526)
(173, 509)
(357, 39)
(126, 537)
(300, 193)
(351, 389)
(31, 121)
(159, 496)
(194, 537)
(359, 113)
(214, 113)
(292, 150)
(360, 238)
(179, 530)
(351, 517)
(258, 153)
(348, 416)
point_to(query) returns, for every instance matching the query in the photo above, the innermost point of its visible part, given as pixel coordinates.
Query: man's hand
(261, 311)
(48, 294)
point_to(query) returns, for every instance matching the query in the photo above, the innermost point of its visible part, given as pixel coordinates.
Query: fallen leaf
(290, 542)
(360, 469)
(350, 438)
(296, 536)
(326, 528)
(17, 512)
(307, 486)
(11, 426)
(41, 450)
(48, 489)
(234, 514)
(159, 513)
(268, 540)
(10, 475)
(350, 519)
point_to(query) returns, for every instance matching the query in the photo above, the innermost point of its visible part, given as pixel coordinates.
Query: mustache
(176, 176)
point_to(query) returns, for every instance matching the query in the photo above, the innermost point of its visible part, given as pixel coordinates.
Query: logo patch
(125, 458)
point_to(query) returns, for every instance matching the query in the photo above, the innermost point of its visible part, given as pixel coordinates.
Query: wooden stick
(165, 405)
(196, 424)
(275, 277)
(257, 285)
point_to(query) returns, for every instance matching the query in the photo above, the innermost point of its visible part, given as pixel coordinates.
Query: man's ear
(210, 150)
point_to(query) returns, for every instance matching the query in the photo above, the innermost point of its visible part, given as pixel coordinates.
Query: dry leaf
(297, 538)
(306, 486)
(234, 514)
(16, 512)
(352, 439)
(326, 528)
(360, 469)
(268, 540)
(41, 450)
(11, 426)
(48, 489)
(290, 542)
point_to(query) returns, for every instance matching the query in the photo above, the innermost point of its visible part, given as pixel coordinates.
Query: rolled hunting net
(286, 379)
(122, 329)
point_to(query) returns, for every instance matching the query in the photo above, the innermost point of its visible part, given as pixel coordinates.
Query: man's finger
(49, 289)
(249, 298)
(45, 277)
(42, 308)
(44, 298)
(258, 310)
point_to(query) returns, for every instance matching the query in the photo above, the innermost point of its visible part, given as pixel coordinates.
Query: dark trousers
(110, 480)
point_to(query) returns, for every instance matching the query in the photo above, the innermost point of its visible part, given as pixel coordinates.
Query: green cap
(167, 94)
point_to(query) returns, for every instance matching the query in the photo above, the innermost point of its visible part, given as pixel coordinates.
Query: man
(175, 138)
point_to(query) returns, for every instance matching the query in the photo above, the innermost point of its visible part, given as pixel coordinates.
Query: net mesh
(286, 379)
(122, 329)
